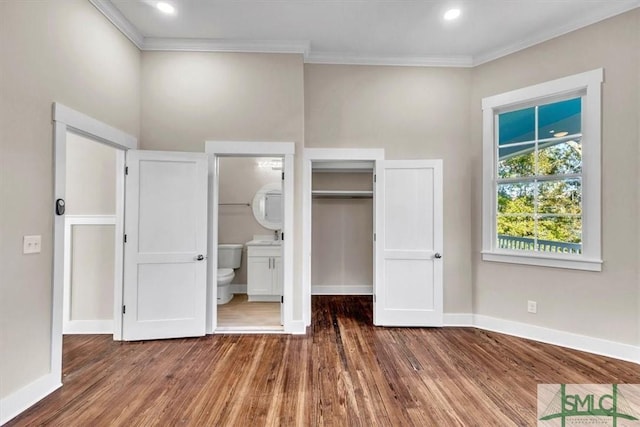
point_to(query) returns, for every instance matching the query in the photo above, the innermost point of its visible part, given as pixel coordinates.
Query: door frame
(326, 154)
(286, 150)
(66, 120)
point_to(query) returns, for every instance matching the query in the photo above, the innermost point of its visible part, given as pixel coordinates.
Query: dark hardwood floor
(344, 371)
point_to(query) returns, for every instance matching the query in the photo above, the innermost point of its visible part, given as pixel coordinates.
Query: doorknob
(200, 257)
(437, 255)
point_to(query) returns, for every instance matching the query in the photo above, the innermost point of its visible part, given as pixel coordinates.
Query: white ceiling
(400, 32)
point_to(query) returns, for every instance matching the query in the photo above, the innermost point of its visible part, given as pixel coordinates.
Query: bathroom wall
(342, 235)
(91, 190)
(597, 304)
(240, 179)
(413, 113)
(64, 51)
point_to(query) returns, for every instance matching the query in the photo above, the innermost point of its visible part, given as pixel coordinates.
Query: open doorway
(69, 125)
(250, 222)
(270, 153)
(90, 238)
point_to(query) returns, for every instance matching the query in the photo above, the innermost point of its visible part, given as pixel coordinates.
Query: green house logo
(588, 404)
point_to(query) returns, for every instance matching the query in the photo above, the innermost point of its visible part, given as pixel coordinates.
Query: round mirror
(267, 206)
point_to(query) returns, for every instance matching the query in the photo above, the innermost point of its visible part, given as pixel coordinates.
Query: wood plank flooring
(344, 371)
(239, 313)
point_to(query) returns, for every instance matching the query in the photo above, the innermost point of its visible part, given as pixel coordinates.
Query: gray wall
(64, 51)
(240, 179)
(413, 113)
(605, 304)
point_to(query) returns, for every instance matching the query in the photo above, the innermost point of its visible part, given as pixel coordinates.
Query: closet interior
(342, 228)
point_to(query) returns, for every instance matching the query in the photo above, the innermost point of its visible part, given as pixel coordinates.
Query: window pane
(560, 197)
(560, 234)
(516, 198)
(517, 126)
(516, 232)
(557, 158)
(516, 161)
(559, 117)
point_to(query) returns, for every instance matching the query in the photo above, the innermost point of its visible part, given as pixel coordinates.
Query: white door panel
(166, 228)
(409, 288)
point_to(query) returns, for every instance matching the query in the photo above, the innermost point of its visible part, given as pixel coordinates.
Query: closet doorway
(406, 233)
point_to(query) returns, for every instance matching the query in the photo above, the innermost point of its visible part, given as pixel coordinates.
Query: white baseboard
(238, 289)
(88, 327)
(458, 319)
(342, 290)
(603, 347)
(296, 327)
(19, 401)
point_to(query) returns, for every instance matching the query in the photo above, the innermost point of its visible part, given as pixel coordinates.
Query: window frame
(588, 86)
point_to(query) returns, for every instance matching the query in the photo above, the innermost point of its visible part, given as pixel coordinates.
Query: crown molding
(222, 45)
(580, 22)
(400, 61)
(121, 23)
(143, 43)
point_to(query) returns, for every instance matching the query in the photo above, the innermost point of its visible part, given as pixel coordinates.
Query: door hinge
(281, 236)
(125, 238)
(374, 177)
(374, 237)
(283, 176)
(124, 309)
(282, 299)
(126, 170)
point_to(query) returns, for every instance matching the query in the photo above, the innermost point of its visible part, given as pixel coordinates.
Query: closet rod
(234, 204)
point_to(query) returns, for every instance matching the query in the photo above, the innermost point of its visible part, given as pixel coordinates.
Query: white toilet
(229, 258)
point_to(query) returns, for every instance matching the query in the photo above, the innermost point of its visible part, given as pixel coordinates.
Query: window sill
(529, 258)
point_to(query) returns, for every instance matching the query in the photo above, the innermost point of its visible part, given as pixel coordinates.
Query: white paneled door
(409, 286)
(165, 263)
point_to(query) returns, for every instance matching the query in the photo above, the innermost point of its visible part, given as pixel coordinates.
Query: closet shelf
(354, 194)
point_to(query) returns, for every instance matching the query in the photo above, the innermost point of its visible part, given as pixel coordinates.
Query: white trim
(459, 320)
(311, 155)
(580, 21)
(217, 149)
(297, 327)
(532, 258)
(69, 325)
(88, 126)
(585, 343)
(249, 148)
(587, 85)
(66, 119)
(88, 327)
(460, 61)
(341, 289)
(116, 17)
(22, 399)
(221, 45)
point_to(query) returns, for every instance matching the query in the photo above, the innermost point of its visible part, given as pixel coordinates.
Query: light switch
(32, 244)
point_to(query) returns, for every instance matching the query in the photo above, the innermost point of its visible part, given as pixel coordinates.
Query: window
(541, 174)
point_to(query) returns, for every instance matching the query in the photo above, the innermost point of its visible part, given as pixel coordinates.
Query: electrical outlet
(32, 244)
(532, 307)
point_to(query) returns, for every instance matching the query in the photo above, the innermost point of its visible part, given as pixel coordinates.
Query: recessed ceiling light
(560, 134)
(165, 7)
(452, 14)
